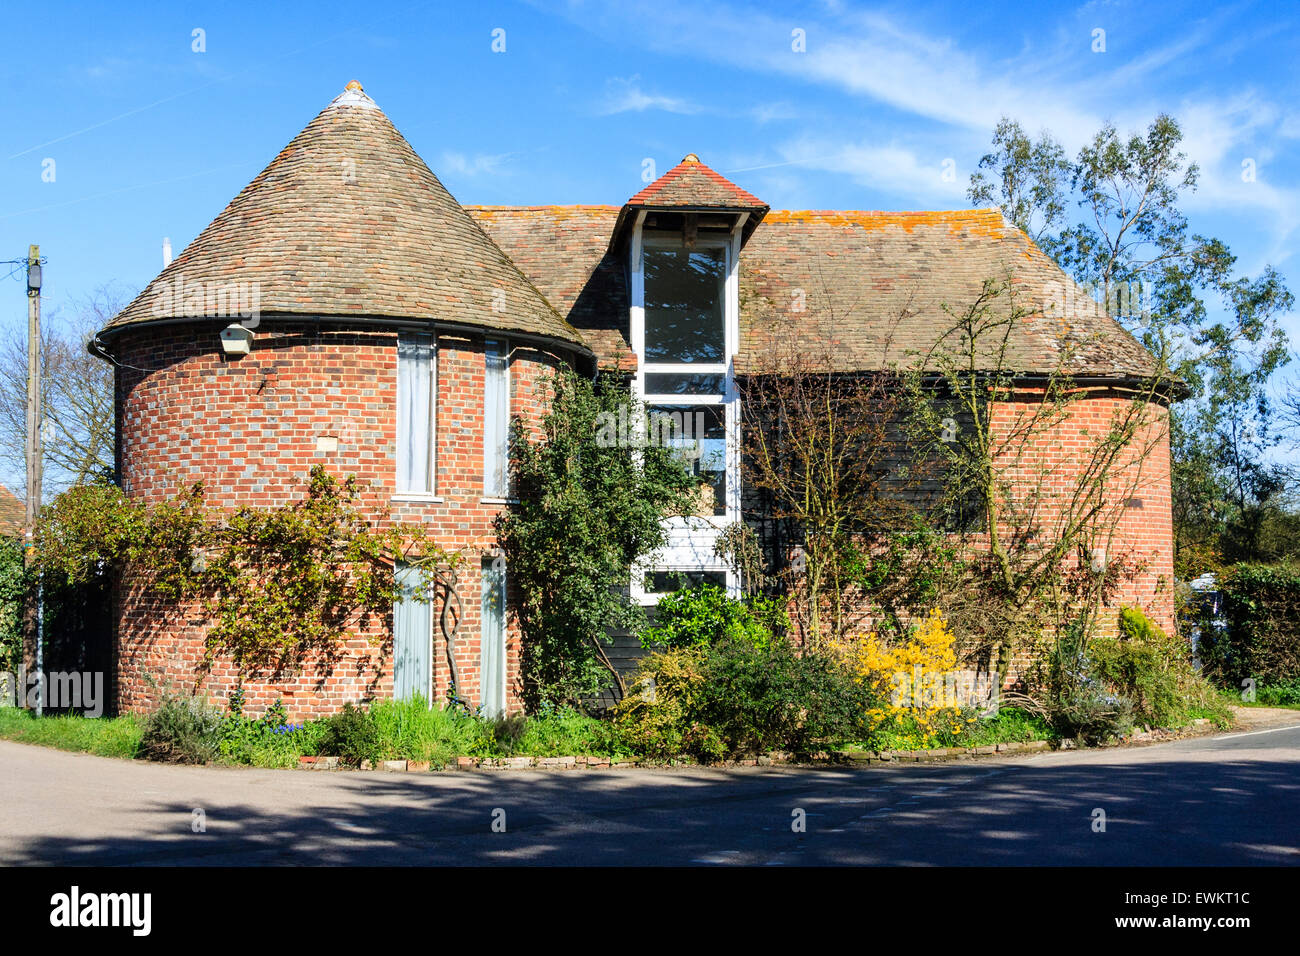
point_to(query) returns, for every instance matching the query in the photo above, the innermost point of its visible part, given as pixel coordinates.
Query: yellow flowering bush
(914, 682)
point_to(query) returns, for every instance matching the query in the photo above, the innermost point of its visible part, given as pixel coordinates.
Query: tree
(1042, 528)
(1133, 248)
(819, 450)
(1030, 181)
(77, 397)
(591, 493)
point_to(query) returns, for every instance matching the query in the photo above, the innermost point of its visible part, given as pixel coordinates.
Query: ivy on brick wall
(276, 586)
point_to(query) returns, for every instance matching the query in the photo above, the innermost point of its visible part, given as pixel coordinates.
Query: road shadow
(1008, 812)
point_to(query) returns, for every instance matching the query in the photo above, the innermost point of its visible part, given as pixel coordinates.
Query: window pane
(698, 433)
(684, 293)
(665, 582)
(496, 423)
(415, 357)
(686, 383)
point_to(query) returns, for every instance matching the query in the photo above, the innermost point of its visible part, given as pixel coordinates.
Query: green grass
(250, 744)
(104, 736)
(407, 730)
(1286, 696)
(1011, 725)
(1279, 695)
(411, 730)
(559, 734)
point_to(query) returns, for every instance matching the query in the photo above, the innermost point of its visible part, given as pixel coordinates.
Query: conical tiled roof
(349, 221)
(693, 185)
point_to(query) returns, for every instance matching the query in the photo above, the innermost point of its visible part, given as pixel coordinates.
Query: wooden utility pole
(34, 614)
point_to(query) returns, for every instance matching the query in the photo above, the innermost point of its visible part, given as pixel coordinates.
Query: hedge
(1261, 607)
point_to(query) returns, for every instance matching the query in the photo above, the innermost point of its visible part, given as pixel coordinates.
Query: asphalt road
(1223, 800)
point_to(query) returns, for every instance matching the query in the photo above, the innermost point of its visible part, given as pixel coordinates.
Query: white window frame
(490, 495)
(691, 540)
(430, 492)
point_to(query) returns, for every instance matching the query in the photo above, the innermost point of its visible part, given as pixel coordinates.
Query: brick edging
(1197, 728)
(833, 758)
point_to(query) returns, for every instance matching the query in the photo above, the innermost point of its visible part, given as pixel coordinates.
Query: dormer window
(685, 297)
(683, 235)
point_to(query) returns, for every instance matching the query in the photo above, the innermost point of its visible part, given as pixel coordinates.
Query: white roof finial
(354, 95)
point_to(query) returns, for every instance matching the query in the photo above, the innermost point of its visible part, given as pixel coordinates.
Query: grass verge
(103, 736)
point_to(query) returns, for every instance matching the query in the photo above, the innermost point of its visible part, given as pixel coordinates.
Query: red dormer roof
(692, 184)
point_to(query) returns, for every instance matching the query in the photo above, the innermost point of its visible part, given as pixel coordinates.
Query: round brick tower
(345, 311)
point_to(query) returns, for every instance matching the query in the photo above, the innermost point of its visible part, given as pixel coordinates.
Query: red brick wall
(1044, 463)
(248, 429)
(1134, 522)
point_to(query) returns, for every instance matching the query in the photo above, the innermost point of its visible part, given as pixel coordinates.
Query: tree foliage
(590, 504)
(1180, 293)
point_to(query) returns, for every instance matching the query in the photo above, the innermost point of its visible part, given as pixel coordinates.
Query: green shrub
(1140, 675)
(351, 735)
(736, 699)
(703, 615)
(1279, 695)
(269, 741)
(184, 729)
(759, 699)
(1151, 669)
(12, 587)
(1079, 705)
(1009, 725)
(588, 508)
(1262, 639)
(661, 702)
(1090, 714)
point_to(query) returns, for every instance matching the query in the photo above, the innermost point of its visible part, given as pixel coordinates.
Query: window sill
(413, 496)
(498, 501)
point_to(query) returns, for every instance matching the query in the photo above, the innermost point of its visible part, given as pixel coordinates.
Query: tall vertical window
(684, 381)
(684, 301)
(684, 317)
(492, 693)
(416, 420)
(496, 420)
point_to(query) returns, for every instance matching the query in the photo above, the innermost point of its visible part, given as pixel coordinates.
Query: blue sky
(149, 138)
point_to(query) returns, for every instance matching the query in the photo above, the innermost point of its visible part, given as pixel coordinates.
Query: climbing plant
(276, 586)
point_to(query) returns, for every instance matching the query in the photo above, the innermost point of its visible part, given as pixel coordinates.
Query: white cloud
(889, 168)
(480, 164)
(624, 95)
